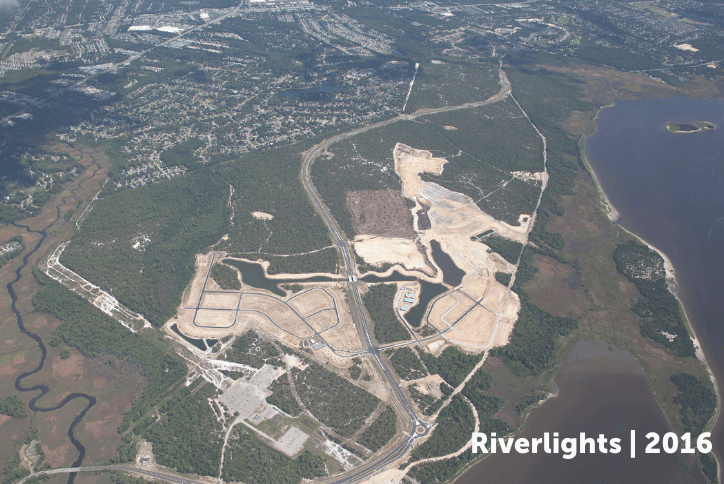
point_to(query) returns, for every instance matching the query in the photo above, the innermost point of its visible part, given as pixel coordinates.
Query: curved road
(356, 306)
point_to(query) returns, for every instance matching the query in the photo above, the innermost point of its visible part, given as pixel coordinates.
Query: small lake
(452, 275)
(252, 274)
(428, 292)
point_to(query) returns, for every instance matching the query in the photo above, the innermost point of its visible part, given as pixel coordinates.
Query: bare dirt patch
(215, 318)
(311, 302)
(322, 321)
(212, 300)
(380, 212)
(380, 250)
(409, 163)
(262, 215)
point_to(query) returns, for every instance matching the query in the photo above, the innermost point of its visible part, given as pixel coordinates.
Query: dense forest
(190, 449)
(268, 182)
(452, 84)
(697, 401)
(381, 431)
(503, 278)
(247, 459)
(226, 277)
(283, 397)
(320, 390)
(13, 406)
(407, 364)
(326, 260)
(379, 302)
(452, 365)
(141, 244)
(662, 318)
(250, 349)
(508, 249)
(454, 424)
(534, 342)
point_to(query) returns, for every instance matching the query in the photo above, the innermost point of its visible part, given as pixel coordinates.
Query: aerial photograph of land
(338, 241)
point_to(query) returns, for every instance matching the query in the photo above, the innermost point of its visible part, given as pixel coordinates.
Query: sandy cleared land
(539, 176)
(216, 318)
(193, 293)
(322, 321)
(344, 335)
(449, 309)
(185, 323)
(422, 385)
(378, 250)
(277, 312)
(262, 215)
(219, 300)
(311, 302)
(499, 300)
(476, 328)
(409, 163)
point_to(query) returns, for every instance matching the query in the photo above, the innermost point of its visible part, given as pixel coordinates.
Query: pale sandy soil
(311, 302)
(322, 321)
(422, 383)
(262, 215)
(528, 176)
(448, 309)
(688, 47)
(277, 312)
(219, 301)
(409, 163)
(389, 476)
(378, 250)
(215, 318)
(344, 335)
(476, 328)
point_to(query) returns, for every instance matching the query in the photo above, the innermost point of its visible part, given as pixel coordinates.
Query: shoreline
(614, 216)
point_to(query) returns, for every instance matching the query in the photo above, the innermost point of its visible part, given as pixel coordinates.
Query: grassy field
(114, 393)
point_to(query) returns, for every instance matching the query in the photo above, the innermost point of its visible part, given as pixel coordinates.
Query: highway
(414, 423)
(356, 306)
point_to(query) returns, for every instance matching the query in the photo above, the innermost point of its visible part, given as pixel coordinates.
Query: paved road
(162, 476)
(414, 422)
(356, 306)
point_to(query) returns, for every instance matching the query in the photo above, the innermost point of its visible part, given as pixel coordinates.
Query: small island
(690, 128)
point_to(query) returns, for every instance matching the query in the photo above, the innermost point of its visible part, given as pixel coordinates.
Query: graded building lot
(219, 300)
(215, 318)
(449, 309)
(322, 321)
(380, 212)
(475, 328)
(310, 302)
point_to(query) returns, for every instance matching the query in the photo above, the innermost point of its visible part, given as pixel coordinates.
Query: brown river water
(600, 392)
